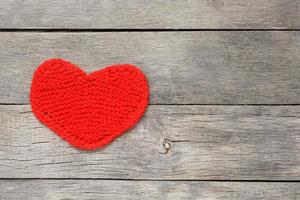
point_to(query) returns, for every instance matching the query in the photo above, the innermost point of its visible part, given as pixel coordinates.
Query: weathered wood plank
(139, 14)
(113, 189)
(206, 143)
(182, 67)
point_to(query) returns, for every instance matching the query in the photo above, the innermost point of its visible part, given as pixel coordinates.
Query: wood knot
(167, 145)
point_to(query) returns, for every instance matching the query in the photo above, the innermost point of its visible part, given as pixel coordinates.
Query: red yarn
(88, 111)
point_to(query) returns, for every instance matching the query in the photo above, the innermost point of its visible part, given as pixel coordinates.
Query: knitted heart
(88, 110)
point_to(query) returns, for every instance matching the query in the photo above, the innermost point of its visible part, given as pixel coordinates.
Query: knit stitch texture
(88, 110)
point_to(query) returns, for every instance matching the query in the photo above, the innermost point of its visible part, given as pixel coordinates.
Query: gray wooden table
(224, 114)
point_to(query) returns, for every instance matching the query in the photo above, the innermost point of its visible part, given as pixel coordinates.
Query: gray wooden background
(224, 114)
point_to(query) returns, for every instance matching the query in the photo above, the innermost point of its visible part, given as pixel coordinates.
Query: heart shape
(88, 110)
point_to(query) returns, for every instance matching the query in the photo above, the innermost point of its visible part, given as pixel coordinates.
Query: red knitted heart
(88, 111)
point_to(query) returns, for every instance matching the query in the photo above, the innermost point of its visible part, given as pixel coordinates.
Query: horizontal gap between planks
(149, 180)
(41, 30)
(191, 104)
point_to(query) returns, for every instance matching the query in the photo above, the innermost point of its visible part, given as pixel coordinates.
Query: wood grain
(114, 189)
(141, 14)
(170, 143)
(182, 67)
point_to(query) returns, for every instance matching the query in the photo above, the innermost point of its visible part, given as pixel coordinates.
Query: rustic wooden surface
(182, 67)
(203, 143)
(116, 189)
(224, 119)
(141, 14)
